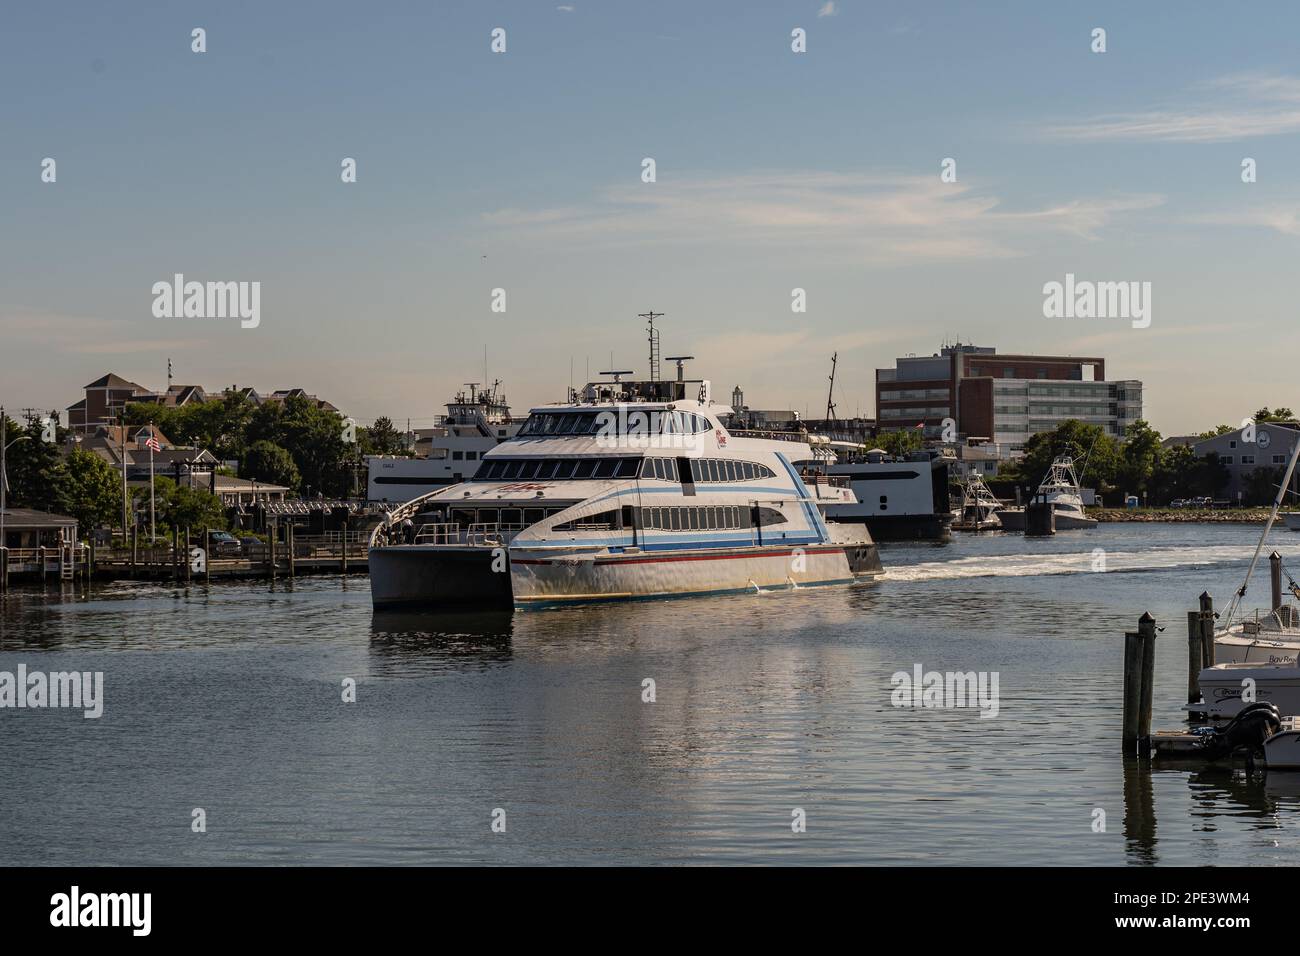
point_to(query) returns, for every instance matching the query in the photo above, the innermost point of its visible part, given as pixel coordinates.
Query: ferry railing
(491, 534)
(435, 533)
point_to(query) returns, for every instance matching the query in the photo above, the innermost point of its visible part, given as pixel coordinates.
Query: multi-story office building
(1002, 398)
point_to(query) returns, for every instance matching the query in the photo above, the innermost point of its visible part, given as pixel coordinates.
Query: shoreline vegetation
(1182, 515)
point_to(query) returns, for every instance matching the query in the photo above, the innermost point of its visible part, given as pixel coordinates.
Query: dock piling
(1139, 680)
(1194, 643)
(1275, 578)
(1207, 630)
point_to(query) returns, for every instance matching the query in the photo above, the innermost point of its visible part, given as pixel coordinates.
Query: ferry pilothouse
(626, 490)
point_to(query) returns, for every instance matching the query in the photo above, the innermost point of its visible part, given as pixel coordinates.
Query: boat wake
(1081, 562)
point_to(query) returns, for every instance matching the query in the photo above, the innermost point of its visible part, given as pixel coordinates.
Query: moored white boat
(1061, 488)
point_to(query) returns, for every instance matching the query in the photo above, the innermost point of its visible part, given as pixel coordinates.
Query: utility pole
(122, 419)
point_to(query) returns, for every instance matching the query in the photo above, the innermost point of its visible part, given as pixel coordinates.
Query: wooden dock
(335, 552)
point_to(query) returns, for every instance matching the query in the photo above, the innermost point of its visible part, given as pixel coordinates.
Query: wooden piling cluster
(1139, 690)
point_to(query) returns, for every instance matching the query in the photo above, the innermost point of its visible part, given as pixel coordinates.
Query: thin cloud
(857, 218)
(1283, 219)
(828, 9)
(1235, 107)
(566, 8)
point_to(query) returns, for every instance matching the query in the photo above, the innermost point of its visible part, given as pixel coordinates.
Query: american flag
(152, 444)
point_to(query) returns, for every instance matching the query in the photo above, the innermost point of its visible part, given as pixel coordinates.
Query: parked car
(224, 544)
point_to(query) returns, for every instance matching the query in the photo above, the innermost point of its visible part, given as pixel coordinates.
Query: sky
(523, 170)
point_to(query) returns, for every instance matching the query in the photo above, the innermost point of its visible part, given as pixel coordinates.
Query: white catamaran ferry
(626, 490)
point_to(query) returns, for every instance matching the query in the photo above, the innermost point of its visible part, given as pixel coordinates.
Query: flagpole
(153, 531)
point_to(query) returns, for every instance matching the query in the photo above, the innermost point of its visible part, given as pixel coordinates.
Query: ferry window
(471, 456)
(549, 423)
(736, 517)
(528, 469)
(670, 464)
(705, 425)
(584, 468)
(766, 472)
(626, 516)
(565, 468)
(489, 516)
(695, 518)
(457, 456)
(533, 515)
(628, 467)
(711, 468)
(728, 471)
(590, 424)
(748, 470)
(511, 516)
(547, 468)
(656, 466)
(462, 517)
(647, 468)
(511, 470)
(770, 516)
(710, 519)
(605, 467)
(651, 516)
(675, 518)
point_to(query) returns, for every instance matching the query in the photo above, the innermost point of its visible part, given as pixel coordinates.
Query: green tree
(1089, 445)
(182, 507)
(1260, 486)
(90, 490)
(32, 464)
(900, 443)
(1140, 458)
(1216, 431)
(267, 462)
(381, 438)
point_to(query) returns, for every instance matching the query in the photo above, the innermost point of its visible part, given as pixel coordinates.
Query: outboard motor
(1253, 724)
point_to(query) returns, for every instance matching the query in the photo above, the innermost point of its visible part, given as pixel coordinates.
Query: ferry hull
(904, 527)
(543, 577)
(433, 577)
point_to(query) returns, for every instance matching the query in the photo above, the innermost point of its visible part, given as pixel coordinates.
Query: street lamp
(4, 475)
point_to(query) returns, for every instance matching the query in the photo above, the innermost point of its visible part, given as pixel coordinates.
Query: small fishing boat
(1060, 487)
(978, 507)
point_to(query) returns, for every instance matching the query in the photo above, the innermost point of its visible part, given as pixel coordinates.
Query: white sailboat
(1256, 659)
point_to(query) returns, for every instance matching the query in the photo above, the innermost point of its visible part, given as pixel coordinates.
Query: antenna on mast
(654, 341)
(830, 395)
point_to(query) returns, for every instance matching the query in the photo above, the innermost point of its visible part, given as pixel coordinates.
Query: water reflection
(1139, 812)
(412, 642)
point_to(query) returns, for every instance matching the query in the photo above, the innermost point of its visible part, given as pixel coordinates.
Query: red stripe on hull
(692, 557)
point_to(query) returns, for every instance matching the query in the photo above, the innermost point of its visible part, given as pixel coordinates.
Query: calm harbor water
(230, 699)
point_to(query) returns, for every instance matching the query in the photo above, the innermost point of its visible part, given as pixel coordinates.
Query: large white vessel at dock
(477, 420)
(626, 490)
